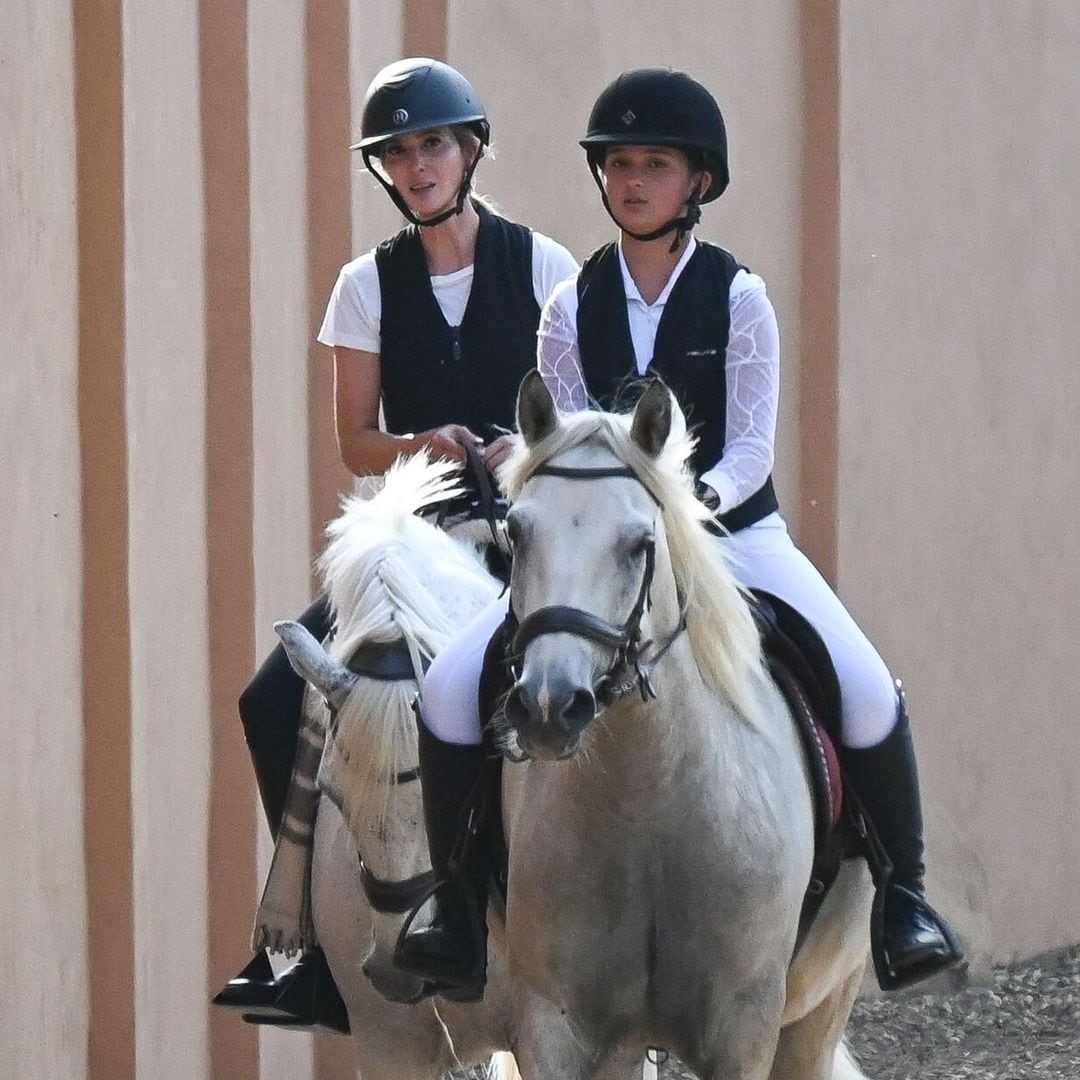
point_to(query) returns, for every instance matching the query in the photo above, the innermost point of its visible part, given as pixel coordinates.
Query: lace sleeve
(753, 392)
(557, 354)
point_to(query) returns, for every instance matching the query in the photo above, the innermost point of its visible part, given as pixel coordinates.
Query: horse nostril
(519, 708)
(579, 710)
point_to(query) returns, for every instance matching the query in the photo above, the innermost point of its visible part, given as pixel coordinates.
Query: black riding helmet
(660, 107)
(418, 94)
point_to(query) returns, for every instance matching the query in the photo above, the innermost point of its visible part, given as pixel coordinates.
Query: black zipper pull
(455, 344)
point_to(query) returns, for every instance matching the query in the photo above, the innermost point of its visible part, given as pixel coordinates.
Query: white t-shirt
(354, 312)
(752, 371)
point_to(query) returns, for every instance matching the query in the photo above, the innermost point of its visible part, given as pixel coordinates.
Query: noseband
(628, 667)
(396, 897)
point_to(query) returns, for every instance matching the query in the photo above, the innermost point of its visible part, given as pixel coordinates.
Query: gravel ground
(1023, 1023)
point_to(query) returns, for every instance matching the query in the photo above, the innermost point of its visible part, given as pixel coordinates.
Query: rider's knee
(870, 705)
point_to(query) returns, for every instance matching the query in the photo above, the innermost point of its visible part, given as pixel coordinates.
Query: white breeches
(764, 558)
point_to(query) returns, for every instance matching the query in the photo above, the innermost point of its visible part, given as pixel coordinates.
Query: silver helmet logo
(628, 117)
(401, 116)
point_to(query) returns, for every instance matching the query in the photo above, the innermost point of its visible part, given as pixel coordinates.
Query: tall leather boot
(910, 941)
(451, 951)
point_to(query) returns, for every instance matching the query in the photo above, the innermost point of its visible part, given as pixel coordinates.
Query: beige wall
(175, 199)
(280, 334)
(960, 167)
(43, 1011)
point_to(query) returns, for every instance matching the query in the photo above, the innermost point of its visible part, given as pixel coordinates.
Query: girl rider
(658, 301)
(438, 326)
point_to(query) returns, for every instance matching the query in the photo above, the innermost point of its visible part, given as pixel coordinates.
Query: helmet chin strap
(680, 225)
(399, 202)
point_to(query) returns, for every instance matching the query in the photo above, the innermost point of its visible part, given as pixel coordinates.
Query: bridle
(396, 897)
(390, 662)
(629, 668)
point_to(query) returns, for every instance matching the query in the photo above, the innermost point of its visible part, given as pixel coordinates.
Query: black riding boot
(910, 941)
(451, 951)
(305, 993)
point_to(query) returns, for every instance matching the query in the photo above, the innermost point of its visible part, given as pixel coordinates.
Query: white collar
(630, 286)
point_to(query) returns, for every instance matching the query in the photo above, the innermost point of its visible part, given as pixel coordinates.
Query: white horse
(391, 577)
(660, 847)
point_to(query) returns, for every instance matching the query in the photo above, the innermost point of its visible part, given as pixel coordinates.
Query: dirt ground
(1021, 1024)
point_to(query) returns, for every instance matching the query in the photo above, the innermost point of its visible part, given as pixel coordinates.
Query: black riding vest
(435, 374)
(689, 354)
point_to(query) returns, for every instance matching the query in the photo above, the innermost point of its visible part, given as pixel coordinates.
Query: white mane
(391, 575)
(722, 633)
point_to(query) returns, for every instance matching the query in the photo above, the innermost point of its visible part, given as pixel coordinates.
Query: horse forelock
(723, 637)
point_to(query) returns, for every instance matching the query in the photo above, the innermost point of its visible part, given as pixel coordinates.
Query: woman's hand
(500, 450)
(449, 441)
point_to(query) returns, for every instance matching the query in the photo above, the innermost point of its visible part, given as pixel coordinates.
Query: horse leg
(810, 1049)
(742, 1037)
(546, 1046)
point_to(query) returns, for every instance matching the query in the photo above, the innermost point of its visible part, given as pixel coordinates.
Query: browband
(597, 473)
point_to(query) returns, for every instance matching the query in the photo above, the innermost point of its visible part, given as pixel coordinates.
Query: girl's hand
(500, 450)
(449, 441)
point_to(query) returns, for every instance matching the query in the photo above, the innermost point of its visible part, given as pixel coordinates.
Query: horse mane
(724, 640)
(391, 575)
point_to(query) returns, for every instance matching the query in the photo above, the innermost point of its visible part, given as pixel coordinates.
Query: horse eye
(513, 530)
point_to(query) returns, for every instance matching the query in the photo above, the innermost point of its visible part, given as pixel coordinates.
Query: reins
(629, 667)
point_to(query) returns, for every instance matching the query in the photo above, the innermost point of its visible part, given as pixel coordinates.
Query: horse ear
(652, 418)
(536, 415)
(314, 664)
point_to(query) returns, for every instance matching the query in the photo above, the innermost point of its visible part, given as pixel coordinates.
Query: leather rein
(629, 668)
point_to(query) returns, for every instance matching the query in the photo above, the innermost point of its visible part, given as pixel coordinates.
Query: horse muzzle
(549, 725)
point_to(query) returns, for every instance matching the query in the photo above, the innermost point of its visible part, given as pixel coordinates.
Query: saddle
(803, 671)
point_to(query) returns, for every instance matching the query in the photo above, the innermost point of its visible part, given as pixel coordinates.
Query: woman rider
(438, 326)
(658, 301)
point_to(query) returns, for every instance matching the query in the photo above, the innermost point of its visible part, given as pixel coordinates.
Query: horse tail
(844, 1066)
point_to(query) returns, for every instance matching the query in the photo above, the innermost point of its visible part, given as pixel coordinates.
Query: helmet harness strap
(681, 225)
(399, 202)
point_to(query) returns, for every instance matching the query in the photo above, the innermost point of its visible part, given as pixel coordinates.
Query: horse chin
(549, 746)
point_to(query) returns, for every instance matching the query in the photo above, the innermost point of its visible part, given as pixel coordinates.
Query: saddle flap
(789, 637)
(824, 764)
